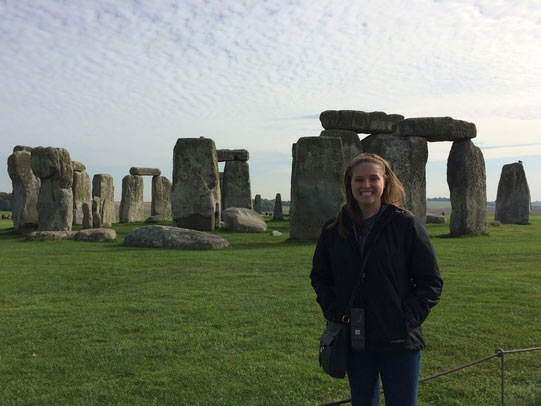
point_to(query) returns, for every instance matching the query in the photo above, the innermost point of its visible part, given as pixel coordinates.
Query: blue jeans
(399, 372)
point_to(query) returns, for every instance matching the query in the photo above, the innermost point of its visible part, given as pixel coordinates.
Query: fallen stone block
(156, 236)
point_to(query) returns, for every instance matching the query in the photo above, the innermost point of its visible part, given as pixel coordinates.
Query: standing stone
(103, 203)
(25, 191)
(236, 190)
(82, 193)
(351, 144)
(317, 190)
(195, 193)
(161, 197)
(278, 212)
(407, 156)
(466, 178)
(131, 203)
(55, 200)
(513, 199)
(257, 204)
(87, 214)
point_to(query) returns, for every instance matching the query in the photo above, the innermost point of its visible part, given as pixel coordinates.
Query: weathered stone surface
(87, 214)
(243, 219)
(22, 148)
(236, 190)
(161, 197)
(55, 198)
(78, 166)
(376, 122)
(26, 185)
(257, 204)
(95, 234)
(435, 128)
(278, 213)
(232, 155)
(131, 203)
(513, 202)
(195, 194)
(50, 235)
(494, 224)
(275, 233)
(432, 219)
(103, 204)
(317, 190)
(407, 156)
(174, 237)
(155, 219)
(52, 163)
(145, 171)
(351, 144)
(5, 201)
(82, 193)
(466, 177)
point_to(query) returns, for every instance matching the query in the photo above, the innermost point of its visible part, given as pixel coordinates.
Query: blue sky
(117, 82)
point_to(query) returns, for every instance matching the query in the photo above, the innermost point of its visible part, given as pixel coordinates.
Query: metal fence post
(501, 354)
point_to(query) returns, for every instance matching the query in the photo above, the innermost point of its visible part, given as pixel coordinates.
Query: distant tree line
(268, 205)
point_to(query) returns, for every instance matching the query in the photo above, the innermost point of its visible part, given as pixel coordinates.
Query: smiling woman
(374, 270)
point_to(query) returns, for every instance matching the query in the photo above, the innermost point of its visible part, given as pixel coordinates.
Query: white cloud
(121, 81)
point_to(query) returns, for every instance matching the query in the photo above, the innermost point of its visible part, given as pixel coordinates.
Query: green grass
(101, 323)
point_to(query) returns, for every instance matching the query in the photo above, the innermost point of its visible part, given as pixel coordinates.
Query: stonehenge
(403, 142)
(195, 192)
(55, 199)
(46, 182)
(25, 190)
(513, 203)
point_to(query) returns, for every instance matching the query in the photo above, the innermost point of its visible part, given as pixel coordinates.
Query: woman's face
(367, 185)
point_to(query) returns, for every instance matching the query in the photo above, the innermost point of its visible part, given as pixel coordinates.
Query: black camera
(357, 329)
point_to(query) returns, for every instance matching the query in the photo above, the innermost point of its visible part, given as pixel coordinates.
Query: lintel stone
(232, 155)
(145, 171)
(436, 129)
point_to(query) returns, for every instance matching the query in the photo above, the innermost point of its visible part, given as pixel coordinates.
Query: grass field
(102, 323)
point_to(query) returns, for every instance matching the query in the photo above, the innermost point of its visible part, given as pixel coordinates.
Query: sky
(116, 83)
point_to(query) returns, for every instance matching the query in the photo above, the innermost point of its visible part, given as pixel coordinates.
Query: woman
(398, 285)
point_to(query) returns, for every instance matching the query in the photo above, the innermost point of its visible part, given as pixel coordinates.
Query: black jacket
(401, 280)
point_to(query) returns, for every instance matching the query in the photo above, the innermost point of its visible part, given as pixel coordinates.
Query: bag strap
(361, 279)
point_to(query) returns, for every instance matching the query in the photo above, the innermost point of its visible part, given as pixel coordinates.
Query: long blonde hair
(393, 191)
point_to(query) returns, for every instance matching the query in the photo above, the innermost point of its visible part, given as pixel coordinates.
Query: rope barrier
(499, 353)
